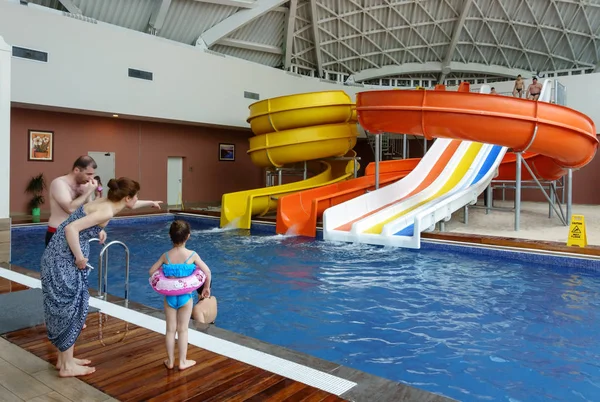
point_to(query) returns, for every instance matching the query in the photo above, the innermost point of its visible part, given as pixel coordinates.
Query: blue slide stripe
(487, 165)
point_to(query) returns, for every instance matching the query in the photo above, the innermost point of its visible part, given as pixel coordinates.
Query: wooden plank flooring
(129, 367)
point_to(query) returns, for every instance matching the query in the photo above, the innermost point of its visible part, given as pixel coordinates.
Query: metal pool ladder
(103, 269)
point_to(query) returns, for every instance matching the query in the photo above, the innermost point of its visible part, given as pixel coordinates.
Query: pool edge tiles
(345, 382)
(566, 260)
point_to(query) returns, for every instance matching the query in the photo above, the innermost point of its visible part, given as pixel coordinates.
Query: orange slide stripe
(433, 174)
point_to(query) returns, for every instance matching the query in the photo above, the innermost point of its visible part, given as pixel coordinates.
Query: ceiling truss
(378, 38)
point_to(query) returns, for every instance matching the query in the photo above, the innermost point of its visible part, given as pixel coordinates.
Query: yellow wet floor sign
(577, 232)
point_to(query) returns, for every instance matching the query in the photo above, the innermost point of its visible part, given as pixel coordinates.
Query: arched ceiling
(367, 39)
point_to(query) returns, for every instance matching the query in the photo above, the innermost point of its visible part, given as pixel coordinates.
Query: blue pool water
(471, 327)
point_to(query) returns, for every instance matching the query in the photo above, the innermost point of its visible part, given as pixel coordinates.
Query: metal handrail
(103, 268)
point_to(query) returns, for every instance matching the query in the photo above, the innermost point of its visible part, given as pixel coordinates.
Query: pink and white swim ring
(176, 286)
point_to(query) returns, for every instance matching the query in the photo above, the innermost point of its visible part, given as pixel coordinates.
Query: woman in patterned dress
(65, 270)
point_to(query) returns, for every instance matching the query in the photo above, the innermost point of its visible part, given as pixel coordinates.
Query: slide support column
(377, 153)
(552, 198)
(518, 192)
(569, 195)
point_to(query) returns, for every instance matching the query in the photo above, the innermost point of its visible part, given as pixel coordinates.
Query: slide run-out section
(299, 212)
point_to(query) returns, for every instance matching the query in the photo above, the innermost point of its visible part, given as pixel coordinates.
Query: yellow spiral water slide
(291, 129)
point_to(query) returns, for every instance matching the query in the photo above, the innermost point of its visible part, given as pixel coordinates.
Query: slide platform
(292, 129)
(474, 132)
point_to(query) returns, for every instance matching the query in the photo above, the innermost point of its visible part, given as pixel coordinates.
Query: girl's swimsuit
(178, 271)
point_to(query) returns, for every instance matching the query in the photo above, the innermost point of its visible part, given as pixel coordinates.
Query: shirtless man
(69, 192)
(518, 89)
(534, 90)
(493, 91)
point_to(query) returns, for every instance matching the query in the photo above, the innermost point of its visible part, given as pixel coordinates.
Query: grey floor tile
(72, 388)
(21, 358)
(7, 396)
(50, 397)
(20, 383)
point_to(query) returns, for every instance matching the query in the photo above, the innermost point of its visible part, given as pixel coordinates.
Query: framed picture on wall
(226, 152)
(40, 146)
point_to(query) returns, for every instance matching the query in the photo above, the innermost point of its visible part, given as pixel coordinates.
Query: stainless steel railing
(103, 269)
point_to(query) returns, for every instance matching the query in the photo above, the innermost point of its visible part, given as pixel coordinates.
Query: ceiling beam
(419, 68)
(71, 7)
(230, 3)
(157, 18)
(317, 38)
(458, 27)
(242, 44)
(236, 21)
(290, 27)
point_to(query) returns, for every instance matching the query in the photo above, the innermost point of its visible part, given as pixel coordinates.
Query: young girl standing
(177, 263)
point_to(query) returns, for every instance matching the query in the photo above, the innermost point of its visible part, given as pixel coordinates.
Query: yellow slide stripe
(460, 171)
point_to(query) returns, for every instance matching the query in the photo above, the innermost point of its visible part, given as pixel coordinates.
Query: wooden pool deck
(129, 367)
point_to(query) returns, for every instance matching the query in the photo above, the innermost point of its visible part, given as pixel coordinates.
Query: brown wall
(141, 151)
(585, 189)
(585, 183)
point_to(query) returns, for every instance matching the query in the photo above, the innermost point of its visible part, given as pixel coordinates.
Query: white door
(106, 168)
(174, 179)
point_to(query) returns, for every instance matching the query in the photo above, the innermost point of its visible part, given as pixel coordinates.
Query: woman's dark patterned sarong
(64, 286)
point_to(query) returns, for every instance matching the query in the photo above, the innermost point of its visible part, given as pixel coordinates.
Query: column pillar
(5, 60)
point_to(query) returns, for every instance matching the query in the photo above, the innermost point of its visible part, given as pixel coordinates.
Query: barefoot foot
(75, 371)
(79, 362)
(186, 364)
(168, 364)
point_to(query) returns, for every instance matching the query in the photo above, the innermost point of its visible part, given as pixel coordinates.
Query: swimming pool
(468, 326)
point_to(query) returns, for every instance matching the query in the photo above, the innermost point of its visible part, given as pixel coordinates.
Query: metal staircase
(396, 146)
